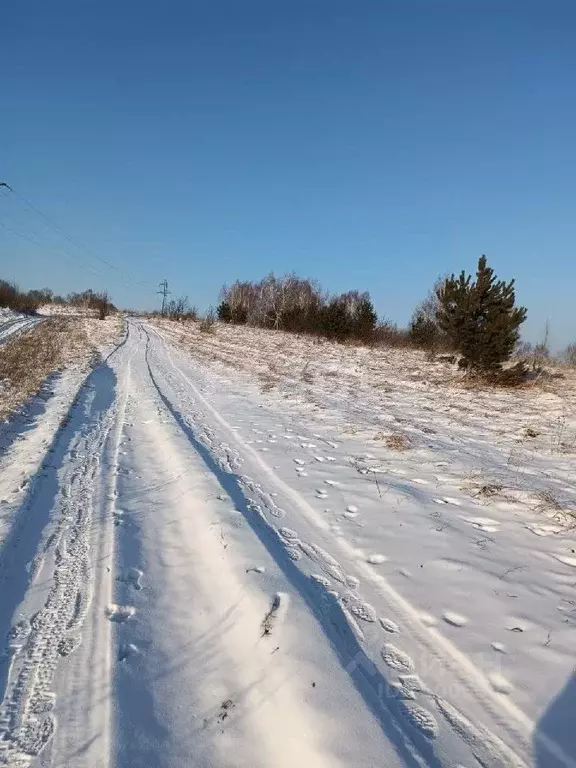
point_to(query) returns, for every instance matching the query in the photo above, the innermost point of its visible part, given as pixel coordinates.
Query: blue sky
(371, 145)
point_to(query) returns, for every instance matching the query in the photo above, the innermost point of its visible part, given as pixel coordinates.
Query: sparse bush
(524, 350)
(208, 322)
(570, 354)
(480, 318)
(95, 300)
(540, 355)
(425, 332)
(515, 376)
(177, 309)
(191, 315)
(389, 335)
(101, 302)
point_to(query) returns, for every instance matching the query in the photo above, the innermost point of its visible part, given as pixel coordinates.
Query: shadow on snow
(372, 685)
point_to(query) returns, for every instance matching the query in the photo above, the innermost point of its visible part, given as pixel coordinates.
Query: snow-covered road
(173, 593)
(12, 324)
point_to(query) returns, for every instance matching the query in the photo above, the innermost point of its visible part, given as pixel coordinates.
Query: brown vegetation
(27, 360)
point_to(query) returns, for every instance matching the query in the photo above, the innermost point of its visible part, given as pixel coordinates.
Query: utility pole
(163, 292)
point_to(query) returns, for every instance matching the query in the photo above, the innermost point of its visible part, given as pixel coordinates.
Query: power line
(68, 237)
(163, 292)
(88, 268)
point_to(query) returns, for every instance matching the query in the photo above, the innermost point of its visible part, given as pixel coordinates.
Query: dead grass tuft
(398, 442)
(489, 489)
(307, 374)
(547, 502)
(268, 383)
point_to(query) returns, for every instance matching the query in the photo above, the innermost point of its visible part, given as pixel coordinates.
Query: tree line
(29, 302)
(475, 317)
(298, 305)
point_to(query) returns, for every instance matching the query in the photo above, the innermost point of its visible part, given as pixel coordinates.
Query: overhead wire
(53, 248)
(38, 238)
(72, 240)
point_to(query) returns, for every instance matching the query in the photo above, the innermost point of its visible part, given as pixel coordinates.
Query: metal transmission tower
(163, 292)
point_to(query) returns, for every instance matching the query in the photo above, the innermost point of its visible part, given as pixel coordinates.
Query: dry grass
(433, 397)
(307, 374)
(268, 383)
(397, 442)
(28, 359)
(548, 502)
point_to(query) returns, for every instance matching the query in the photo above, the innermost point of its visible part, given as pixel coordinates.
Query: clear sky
(371, 145)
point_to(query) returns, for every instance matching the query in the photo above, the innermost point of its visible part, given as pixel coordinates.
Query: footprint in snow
(397, 659)
(127, 650)
(499, 683)
(500, 647)
(321, 580)
(454, 619)
(132, 577)
(390, 626)
(485, 524)
(420, 718)
(358, 607)
(376, 559)
(119, 613)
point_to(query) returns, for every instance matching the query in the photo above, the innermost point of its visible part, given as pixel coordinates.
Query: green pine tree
(224, 312)
(480, 318)
(365, 319)
(335, 322)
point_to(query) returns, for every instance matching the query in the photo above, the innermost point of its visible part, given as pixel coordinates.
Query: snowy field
(250, 549)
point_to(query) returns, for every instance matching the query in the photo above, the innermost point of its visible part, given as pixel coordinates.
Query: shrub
(177, 309)
(96, 300)
(101, 302)
(389, 335)
(423, 331)
(570, 354)
(514, 376)
(208, 321)
(364, 319)
(480, 318)
(12, 298)
(334, 320)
